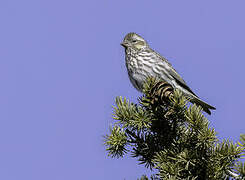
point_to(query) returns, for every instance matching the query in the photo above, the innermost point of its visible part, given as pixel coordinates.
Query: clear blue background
(61, 66)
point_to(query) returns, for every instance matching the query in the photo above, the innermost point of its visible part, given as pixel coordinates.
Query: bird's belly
(139, 73)
(137, 78)
(140, 68)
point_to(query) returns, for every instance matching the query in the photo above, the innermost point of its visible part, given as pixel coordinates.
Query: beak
(124, 44)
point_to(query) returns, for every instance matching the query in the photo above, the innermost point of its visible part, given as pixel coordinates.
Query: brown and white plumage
(142, 62)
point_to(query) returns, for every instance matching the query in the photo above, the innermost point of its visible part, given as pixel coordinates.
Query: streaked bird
(142, 62)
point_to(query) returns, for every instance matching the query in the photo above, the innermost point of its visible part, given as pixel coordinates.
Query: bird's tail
(206, 107)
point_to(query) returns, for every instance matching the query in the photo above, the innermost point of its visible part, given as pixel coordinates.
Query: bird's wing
(176, 76)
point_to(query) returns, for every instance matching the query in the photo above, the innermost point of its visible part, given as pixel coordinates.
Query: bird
(143, 62)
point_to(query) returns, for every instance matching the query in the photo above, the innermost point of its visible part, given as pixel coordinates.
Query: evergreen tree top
(163, 133)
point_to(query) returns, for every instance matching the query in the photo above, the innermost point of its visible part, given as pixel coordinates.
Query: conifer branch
(166, 134)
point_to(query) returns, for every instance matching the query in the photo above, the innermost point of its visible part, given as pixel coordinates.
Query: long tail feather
(206, 107)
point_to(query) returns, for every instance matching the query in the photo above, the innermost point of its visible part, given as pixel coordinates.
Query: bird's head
(135, 41)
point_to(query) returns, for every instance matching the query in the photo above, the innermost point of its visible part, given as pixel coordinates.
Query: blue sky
(61, 66)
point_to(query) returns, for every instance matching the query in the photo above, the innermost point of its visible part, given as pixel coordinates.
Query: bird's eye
(134, 41)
